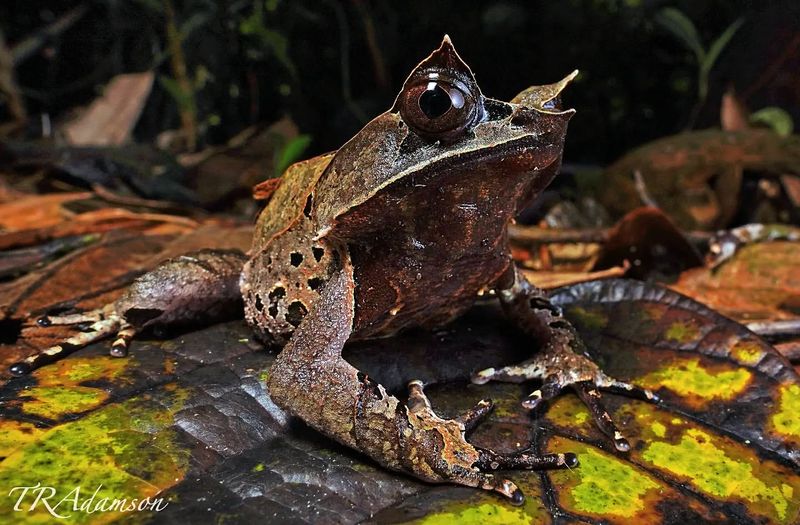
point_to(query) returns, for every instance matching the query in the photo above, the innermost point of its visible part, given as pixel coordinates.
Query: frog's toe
(628, 389)
(593, 401)
(109, 325)
(550, 388)
(520, 373)
(126, 332)
(491, 460)
(472, 417)
(502, 486)
(83, 318)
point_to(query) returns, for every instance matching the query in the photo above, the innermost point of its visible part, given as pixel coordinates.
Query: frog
(405, 226)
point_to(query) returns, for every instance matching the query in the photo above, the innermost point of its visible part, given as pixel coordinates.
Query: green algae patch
(15, 434)
(76, 370)
(748, 353)
(604, 486)
(683, 332)
(488, 508)
(61, 389)
(568, 412)
(786, 420)
(498, 513)
(54, 401)
(698, 384)
(587, 319)
(658, 429)
(128, 450)
(728, 472)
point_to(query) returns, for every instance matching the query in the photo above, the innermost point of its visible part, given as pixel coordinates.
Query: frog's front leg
(311, 380)
(562, 360)
(191, 288)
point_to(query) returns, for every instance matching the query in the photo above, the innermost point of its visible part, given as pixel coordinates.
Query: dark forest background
(331, 66)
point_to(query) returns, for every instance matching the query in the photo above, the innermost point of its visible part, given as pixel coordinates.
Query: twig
(8, 84)
(112, 198)
(768, 73)
(550, 280)
(29, 45)
(641, 189)
(378, 64)
(186, 108)
(344, 62)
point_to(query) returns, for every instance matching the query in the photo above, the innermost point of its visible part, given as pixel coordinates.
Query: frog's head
(441, 124)
(441, 102)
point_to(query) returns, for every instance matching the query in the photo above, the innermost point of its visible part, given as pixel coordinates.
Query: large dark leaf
(188, 419)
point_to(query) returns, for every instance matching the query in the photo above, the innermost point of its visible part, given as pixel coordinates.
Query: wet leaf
(760, 282)
(187, 419)
(695, 177)
(110, 119)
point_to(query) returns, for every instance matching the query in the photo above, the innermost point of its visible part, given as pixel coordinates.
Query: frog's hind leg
(311, 380)
(98, 330)
(194, 288)
(561, 363)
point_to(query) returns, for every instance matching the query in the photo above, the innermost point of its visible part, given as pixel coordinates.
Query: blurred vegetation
(648, 68)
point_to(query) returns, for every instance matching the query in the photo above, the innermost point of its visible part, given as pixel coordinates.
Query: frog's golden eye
(439, 109)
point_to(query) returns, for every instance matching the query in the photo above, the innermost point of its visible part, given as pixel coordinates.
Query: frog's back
(290, 199)
(287, 267)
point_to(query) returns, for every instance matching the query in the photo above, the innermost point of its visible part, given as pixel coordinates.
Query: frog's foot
(559, 368)
(99, 324)
(451, 432)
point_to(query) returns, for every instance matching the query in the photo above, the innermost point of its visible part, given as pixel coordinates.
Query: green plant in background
(289, 152)
(684, 30)
(776, 118)
(267, 40)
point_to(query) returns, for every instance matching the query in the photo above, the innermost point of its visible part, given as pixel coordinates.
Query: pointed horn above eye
(446, 57)
(444, 62)
(537, 96)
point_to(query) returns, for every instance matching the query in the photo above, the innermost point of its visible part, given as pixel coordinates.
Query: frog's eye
(438, 109)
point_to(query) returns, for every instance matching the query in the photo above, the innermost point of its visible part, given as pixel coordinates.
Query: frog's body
(405, 225)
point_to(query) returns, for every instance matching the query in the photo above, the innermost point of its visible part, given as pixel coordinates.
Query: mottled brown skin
(405, 225)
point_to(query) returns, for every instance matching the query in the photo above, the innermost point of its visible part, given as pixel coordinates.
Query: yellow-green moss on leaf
(692, 380)
(747, 352)
(129, 450)
(700, 459)
(786, 420)
(60, 390)
(605, 486)
(682, 332)
(499, 513)
(587, 319)
(16, 434)
(488, 508)
(54, 401)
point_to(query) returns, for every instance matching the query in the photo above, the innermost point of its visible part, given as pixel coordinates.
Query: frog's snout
(546, 98)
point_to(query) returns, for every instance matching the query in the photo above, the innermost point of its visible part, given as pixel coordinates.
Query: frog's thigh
(194, 287)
